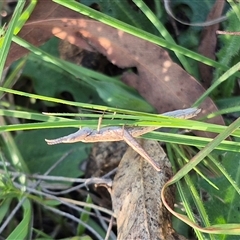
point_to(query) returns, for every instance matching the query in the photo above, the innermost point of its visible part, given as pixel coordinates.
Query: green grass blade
(84, 217)
(21, 231)
(51, 122)
(225, 173)
(163, 31)
(223, 78)
(7, 38)
(191, 141)
(24, 16)
(111, 90)
(13, 76)
(232, 229)
(205, 151)
(139, 33)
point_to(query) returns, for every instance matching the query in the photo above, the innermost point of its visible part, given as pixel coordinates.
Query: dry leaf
(163, 83)
(160, 81)
(104, 157)
(136, 199)
(208, 43)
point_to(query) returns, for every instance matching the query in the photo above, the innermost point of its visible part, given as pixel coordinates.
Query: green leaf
(40, 157)
(5, 42)
(118, 96)
(23, 228)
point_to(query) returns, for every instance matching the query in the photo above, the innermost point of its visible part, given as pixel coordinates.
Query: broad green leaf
(40, 157)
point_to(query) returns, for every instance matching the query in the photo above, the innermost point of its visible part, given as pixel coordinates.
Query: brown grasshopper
(127, 134)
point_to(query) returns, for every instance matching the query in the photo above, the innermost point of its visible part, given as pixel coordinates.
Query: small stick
(100, 122)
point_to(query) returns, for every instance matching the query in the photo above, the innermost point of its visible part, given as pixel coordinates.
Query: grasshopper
(127, 134)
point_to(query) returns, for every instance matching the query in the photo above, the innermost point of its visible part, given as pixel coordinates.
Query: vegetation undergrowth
(44, 96)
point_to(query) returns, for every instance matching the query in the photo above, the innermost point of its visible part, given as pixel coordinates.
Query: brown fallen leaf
(163, 83)
(208, 43)
(160, 81)
(136, 199)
